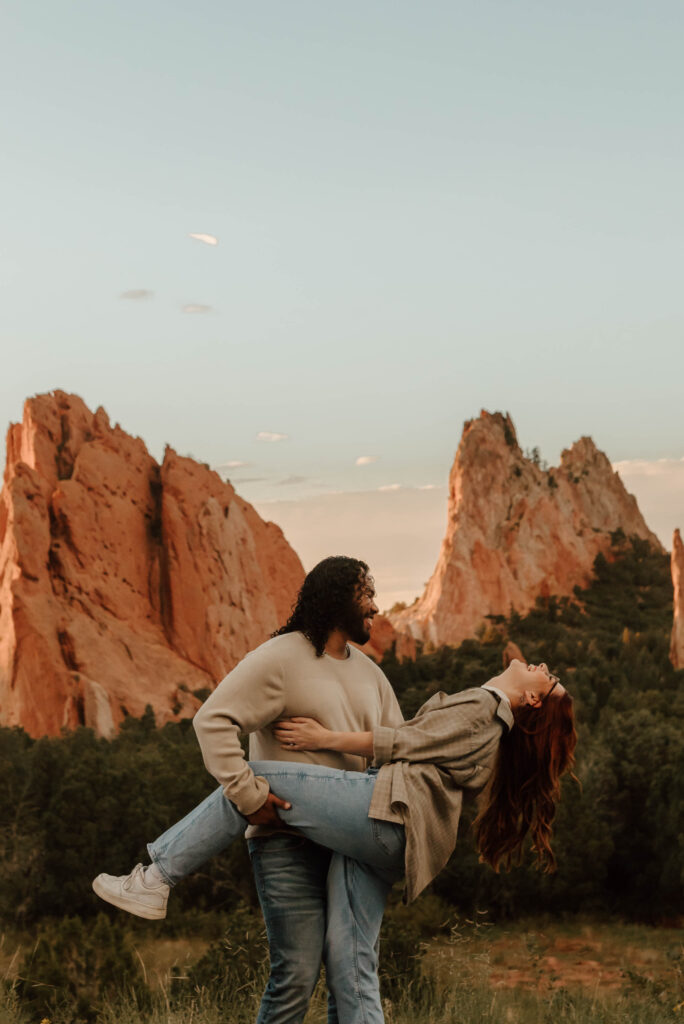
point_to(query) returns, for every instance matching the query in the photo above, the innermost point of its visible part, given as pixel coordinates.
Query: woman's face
(534, 682)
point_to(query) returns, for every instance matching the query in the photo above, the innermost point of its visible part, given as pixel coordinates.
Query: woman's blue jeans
(330, 808)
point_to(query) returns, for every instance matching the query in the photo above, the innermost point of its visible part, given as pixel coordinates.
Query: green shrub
(74, 968)
(235, 963)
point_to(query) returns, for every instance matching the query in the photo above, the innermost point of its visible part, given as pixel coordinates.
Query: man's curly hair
(325, 598)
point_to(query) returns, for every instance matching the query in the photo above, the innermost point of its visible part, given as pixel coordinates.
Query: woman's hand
(302, 733)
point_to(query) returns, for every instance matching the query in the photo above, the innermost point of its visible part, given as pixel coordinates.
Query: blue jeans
(329, 807)
(291, 874)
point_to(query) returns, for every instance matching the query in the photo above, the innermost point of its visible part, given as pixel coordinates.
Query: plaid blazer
(426, 764)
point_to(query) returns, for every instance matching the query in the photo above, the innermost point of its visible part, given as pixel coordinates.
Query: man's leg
(356, 902)
(291, 877)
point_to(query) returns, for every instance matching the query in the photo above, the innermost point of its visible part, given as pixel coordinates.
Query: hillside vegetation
(76, 805)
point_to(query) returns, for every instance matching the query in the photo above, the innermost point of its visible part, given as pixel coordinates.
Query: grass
(162, 957)
(538, 971)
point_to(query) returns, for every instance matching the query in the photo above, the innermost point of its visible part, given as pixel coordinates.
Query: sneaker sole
(132, 906)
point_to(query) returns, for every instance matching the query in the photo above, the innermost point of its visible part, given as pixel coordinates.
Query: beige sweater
(281, 678)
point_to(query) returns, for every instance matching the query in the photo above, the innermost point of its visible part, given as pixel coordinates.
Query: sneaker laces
(136, 874)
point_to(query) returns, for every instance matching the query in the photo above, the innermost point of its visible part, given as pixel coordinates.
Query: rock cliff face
(677, 643)
(516, 531)
(384, 636)
(123, 582)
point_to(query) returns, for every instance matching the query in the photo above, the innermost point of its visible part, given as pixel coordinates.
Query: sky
(418, 210)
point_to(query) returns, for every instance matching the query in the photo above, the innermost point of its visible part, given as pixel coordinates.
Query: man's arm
(246, 700)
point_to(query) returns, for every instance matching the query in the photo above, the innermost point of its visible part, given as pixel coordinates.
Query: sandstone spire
(677, 561)
(123, 582)
(516, 531)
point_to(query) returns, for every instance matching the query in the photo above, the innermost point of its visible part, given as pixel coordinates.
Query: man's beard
(354, 626)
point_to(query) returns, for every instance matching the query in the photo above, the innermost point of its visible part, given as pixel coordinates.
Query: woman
(515, 736)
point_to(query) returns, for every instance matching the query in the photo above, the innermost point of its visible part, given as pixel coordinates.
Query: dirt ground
(531, 955)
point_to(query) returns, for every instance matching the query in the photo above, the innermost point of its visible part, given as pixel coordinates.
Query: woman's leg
(329, 806)
(204, 832)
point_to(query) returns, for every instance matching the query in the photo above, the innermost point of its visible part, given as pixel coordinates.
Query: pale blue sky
(422, 210)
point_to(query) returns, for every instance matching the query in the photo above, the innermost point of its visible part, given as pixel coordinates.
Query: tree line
(76, 805)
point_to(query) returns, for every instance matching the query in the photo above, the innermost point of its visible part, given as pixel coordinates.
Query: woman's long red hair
(522, 795)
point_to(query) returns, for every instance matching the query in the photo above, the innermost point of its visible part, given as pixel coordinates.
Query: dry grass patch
(542, 956)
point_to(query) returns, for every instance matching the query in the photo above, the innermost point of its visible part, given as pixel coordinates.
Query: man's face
(358, 617)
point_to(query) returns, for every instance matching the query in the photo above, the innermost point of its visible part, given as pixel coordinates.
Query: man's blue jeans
(291, 874)
(329, 807)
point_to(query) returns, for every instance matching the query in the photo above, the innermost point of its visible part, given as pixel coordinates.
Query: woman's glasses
(556, 681)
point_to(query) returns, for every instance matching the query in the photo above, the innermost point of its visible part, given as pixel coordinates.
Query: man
(307, 668)
(317, 905)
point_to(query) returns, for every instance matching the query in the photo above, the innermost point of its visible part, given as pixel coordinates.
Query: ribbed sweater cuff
(249, 798)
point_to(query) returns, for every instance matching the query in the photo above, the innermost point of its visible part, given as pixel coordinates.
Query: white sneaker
(130, 892)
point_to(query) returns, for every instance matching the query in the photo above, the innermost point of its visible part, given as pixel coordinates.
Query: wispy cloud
(428, 487)
(644, 467)
(207, 239)
(232, 464)
(390, 487)
(289, 480)
(267, 435)
(137, 294)
(197, 307)
(365, 460)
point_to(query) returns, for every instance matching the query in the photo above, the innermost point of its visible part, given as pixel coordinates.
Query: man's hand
(267, 814)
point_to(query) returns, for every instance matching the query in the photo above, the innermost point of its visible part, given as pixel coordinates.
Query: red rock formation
(677, 562)
(516, 531)
(383, 636)
(511, 653)
(123, 582)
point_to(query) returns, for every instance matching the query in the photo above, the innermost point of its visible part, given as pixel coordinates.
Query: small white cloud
(428, 487)
(267, 435)
(196, 307)
(365, 460)
(390, 487)
(207, 239)
(137, 293)
(234, 464)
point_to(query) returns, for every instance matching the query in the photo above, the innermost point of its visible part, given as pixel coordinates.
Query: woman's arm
(308, 734)
(443, 731)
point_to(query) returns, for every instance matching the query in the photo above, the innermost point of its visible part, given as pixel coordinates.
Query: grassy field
(529, 972)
